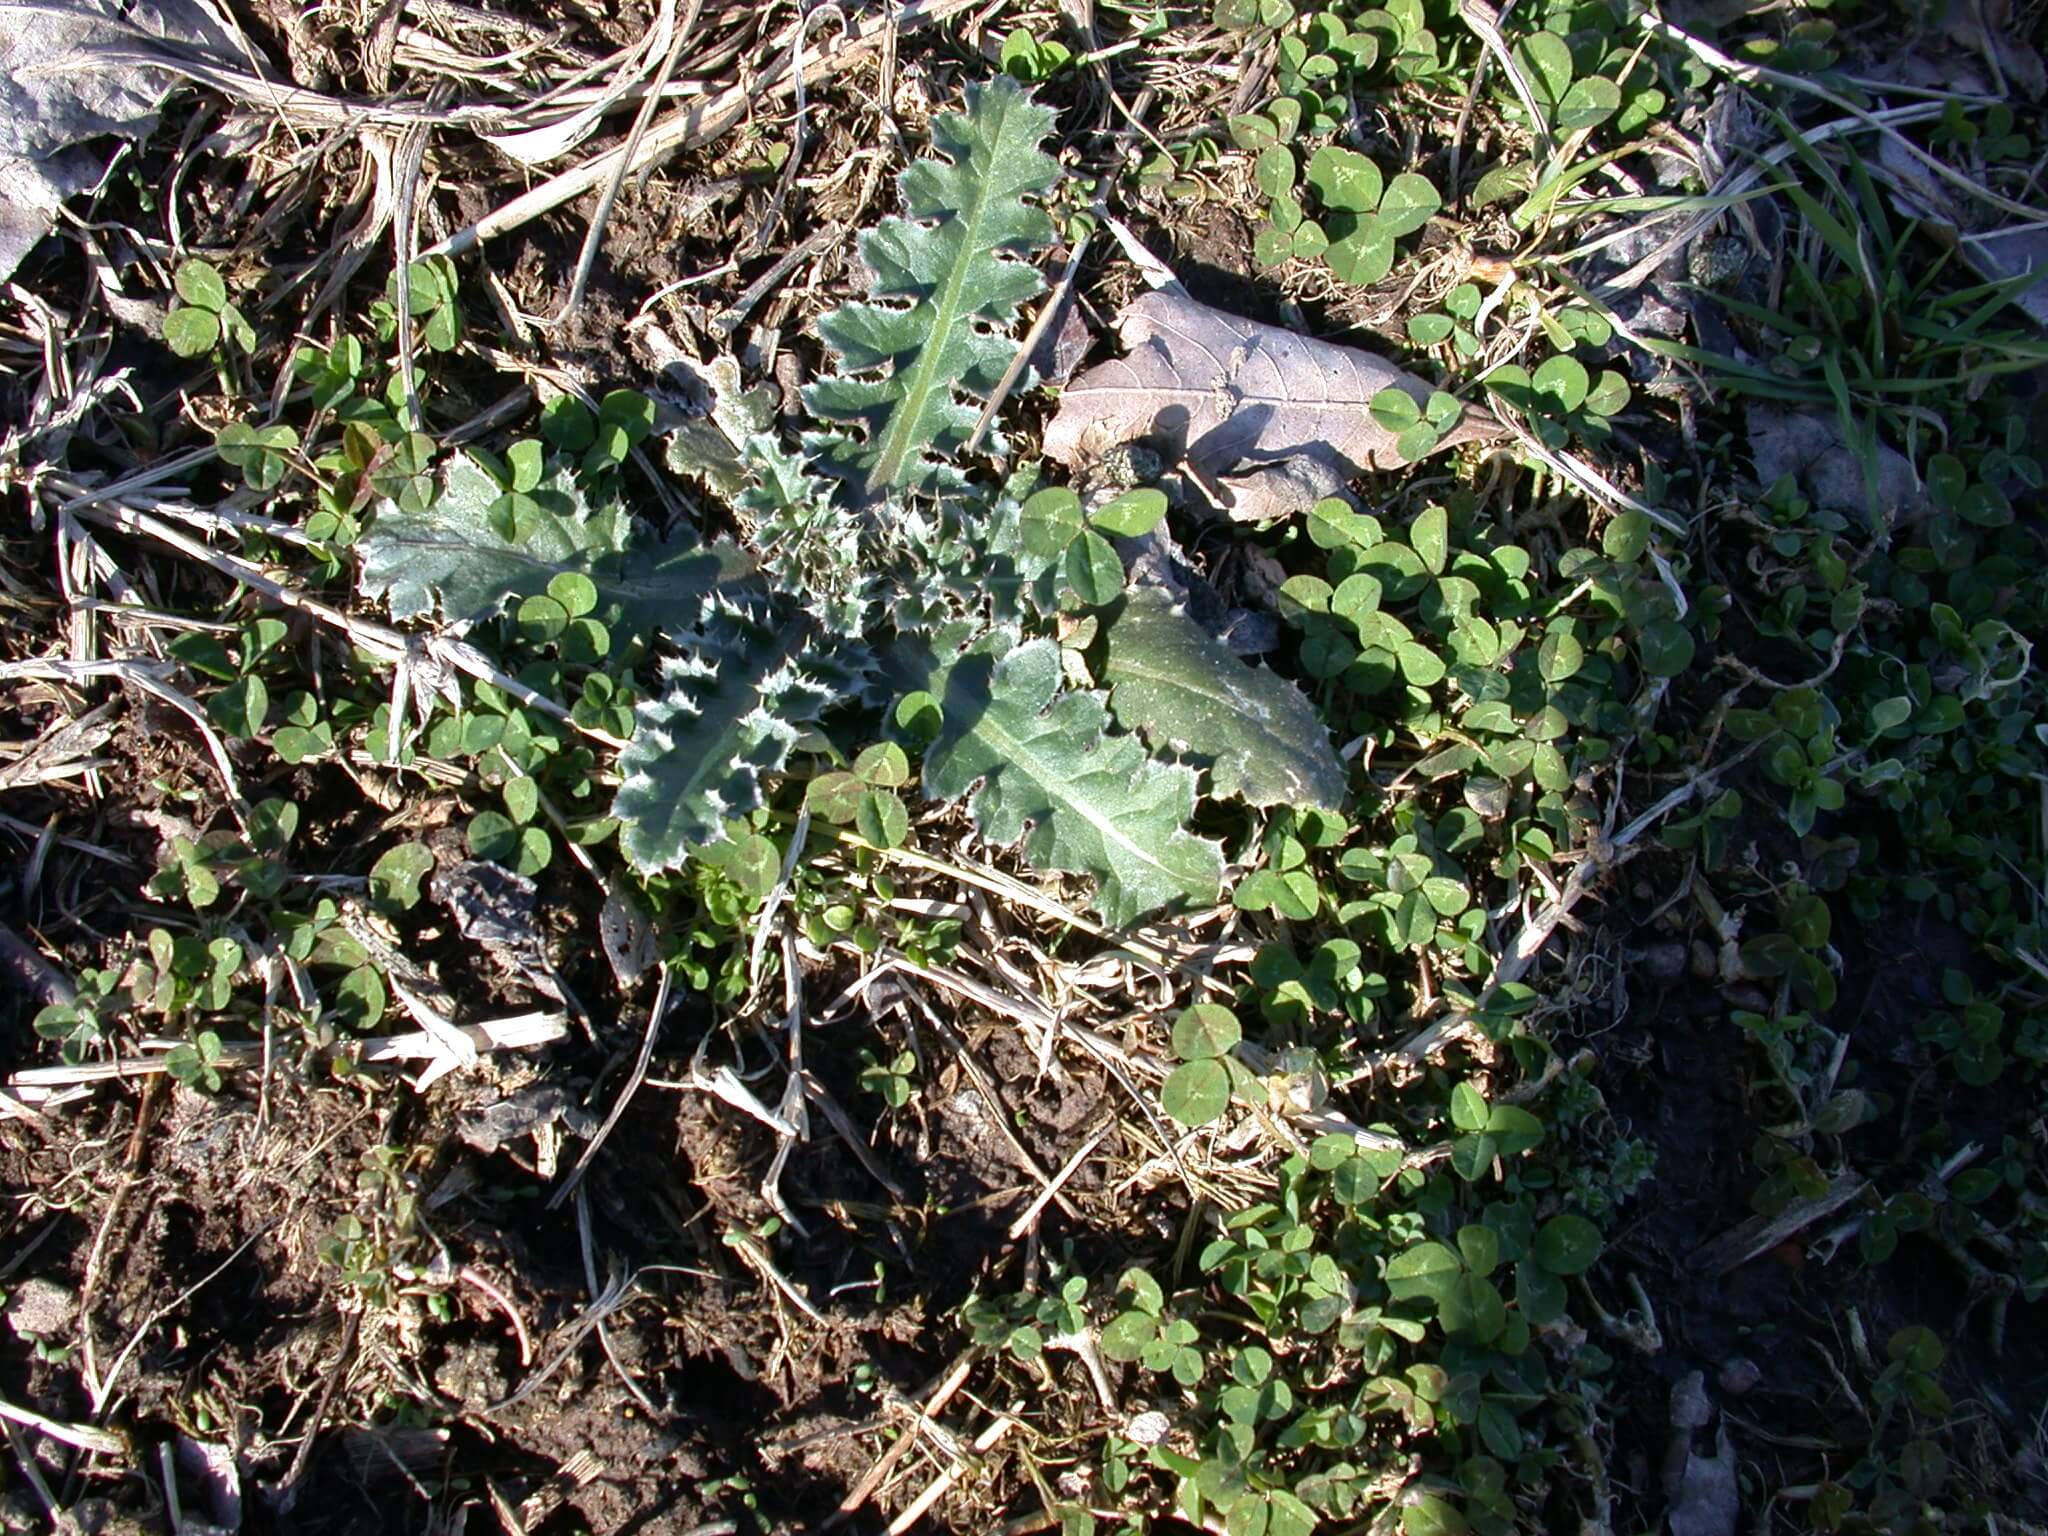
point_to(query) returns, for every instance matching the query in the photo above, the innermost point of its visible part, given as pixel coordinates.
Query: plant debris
(1269, 421)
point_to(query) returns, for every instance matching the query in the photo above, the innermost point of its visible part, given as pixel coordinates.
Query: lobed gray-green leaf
(945, 286)
(451, 557)
(1180, 687)
(1077, 798)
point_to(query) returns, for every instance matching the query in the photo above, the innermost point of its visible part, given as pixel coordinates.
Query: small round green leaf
(1562, 381)
(1430, 537)
(884, 765)
(1048, 522)
(395, 877)
(541, 619)
(1587, 104)
(881, 819)
(1394, 409)
(1480, 1246)
(1275, 170)
(1410, 202)
(522, 799)
(1428, 330)
(834, 797)
(240, 708)
(566, 422)
(1472, 1306)
(1667, 648)
(360, 999)
(1133, 514)
(1426, 1270)
(1344, 179)
(1197, 1092)
(1428, 1515)
(1626, 537)
(628, 410)
(1546, 63)
(1559, 656)
(191, 332)
(1363, 257)
(536, 851)
(1420, 665)
(919, 717)
(1205, 1030)
(1095, 572)
(235, 326)
(1567, 1245)
(199, 282)
(1609, 395)
(1125, 1337)
(1468, 1108)
(1418, 442)
(1272, 246)
(493, 837)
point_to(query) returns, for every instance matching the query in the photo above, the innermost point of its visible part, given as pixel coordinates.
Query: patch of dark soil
(1209, 248)
(1791, 1340)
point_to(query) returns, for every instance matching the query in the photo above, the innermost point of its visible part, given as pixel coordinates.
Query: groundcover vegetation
(1258, 770)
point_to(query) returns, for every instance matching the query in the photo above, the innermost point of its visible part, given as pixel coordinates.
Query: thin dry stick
(1485, 24)
(729, 319)
(412, 154)
(1029, 1218)
(60, 1520)
(379, 639)
(102, 1442)
(615, 1296)
(1878, 121)
(515, 1032)
(995, 1106)
(1046, 313)
(943, 1483)
(469, 1274)
(595, 237)
(698, 124)
(791, 1110)
(849, 1133)
(633, 1081)
(1536, 931)
(104, 1391)
(1002, 885)
(294, 1478)
(152, 677)
(1734, 189)
(747, 1248)
(604, 1333)
(878, 1474)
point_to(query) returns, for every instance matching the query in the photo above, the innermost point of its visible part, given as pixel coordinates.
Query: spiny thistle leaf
(937, 562)
(810, 547)
(953, 258)
(1179, 686)
(455, 556)
(1080, 800)
(698, 752)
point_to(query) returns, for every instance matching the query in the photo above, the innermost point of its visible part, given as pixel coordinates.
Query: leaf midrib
(899, 441)
(1020, 755)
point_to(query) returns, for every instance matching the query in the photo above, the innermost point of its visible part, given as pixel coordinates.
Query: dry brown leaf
(1272, 420)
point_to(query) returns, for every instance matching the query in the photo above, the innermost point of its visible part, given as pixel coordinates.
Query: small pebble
(1148, 1428)
(1739, 1374)
(1666, 961)
(1690, 1406)
(41, 1307)
(1743, 995)
(1704, 966)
